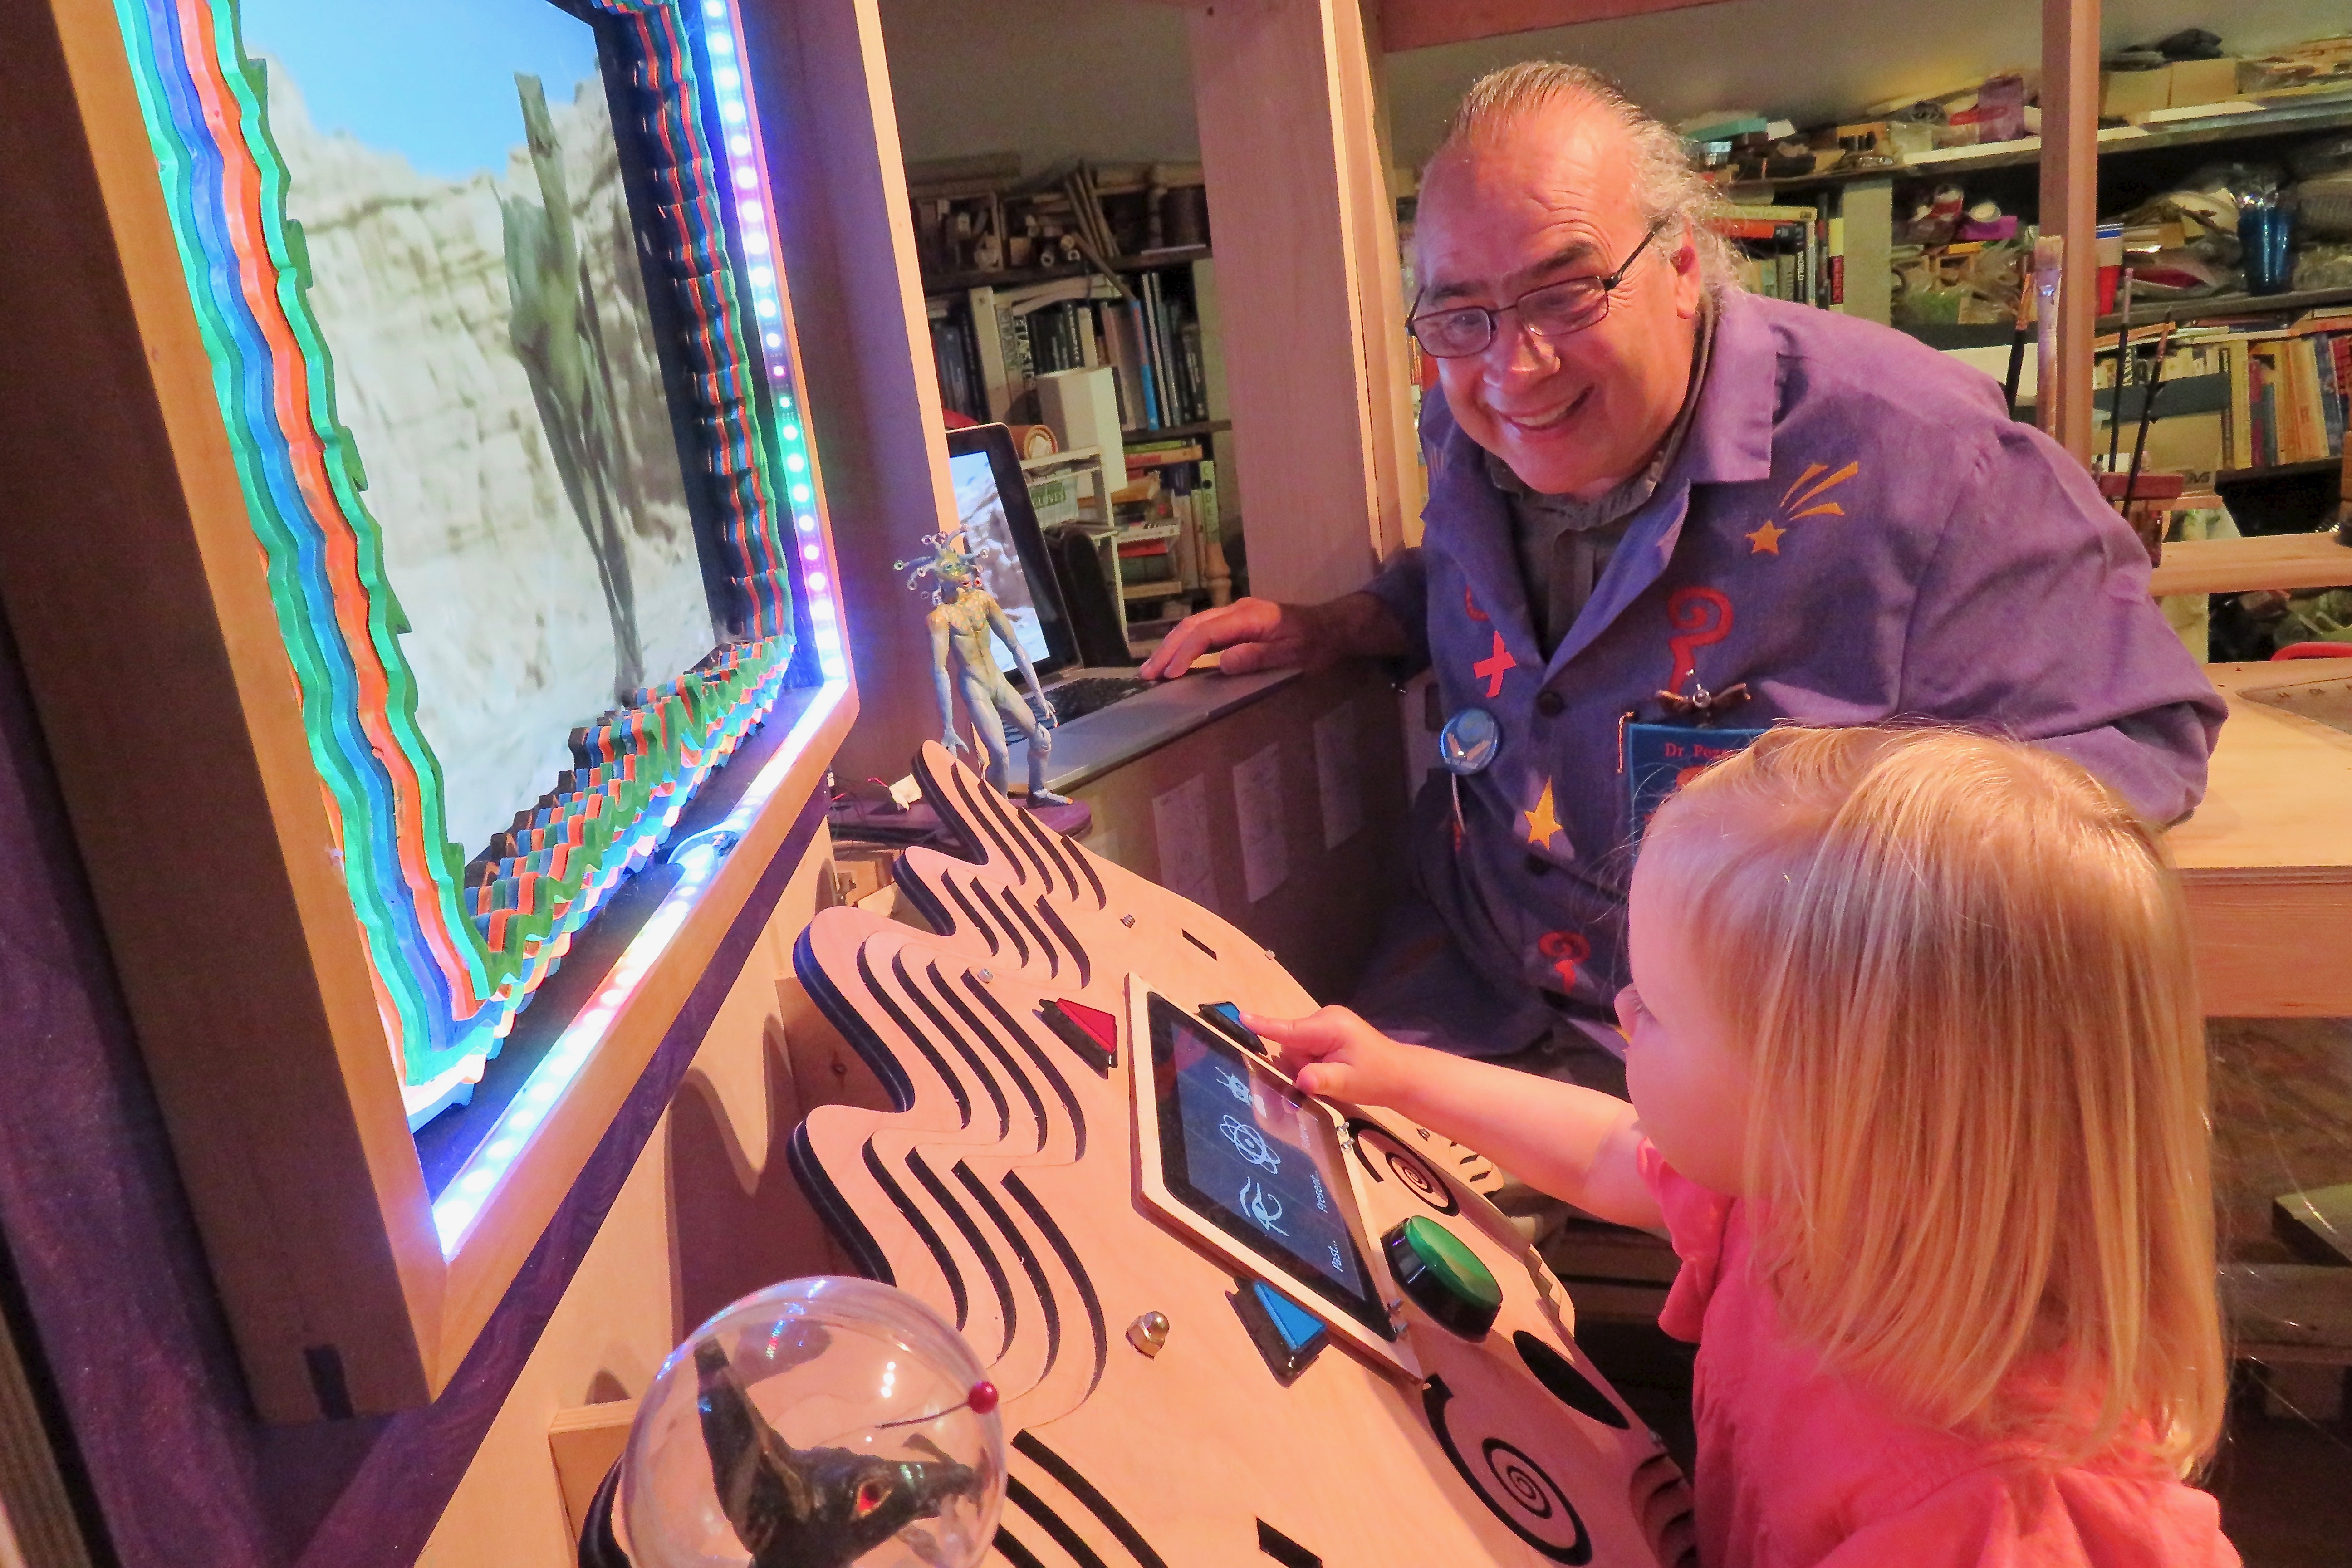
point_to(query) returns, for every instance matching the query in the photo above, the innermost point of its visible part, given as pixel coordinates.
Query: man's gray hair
(1664, 187)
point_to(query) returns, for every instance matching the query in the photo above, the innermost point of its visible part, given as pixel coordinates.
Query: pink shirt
(1798, 1466)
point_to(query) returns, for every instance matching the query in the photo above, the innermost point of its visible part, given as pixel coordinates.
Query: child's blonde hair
(1978, 1130)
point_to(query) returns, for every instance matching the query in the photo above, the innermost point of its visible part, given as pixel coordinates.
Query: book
(2238, 429)
(1139, 336)
(990, 340)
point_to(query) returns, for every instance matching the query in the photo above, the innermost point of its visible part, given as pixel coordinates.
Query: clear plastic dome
(816, 1423)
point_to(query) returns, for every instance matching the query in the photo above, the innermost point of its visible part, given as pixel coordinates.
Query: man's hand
(1258, 633)
(1333, 1053)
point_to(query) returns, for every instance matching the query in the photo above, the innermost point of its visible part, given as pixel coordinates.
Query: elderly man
(1663, 515)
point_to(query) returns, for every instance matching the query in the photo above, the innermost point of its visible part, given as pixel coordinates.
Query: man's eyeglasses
(1554, 310)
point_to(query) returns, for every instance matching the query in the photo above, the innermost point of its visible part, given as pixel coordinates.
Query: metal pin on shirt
(1466, 746)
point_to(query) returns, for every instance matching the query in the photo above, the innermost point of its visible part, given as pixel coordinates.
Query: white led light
(796, 463)
(728, 76)
(763, 277)
(808, 524)
(740, 146)
(811, 554)
(746, 178)
(775, 339)
(816, 580)
(766, 308)
(755, 242)
(791, 432)
(714, 8)
(731, 110)
(801, 493)
(721, 44)
(752, 210)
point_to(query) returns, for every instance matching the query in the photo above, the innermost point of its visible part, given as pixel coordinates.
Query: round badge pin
(1469, 743)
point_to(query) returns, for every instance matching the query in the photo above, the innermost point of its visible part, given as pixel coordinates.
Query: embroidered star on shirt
(1765, 539)
(1543, 821)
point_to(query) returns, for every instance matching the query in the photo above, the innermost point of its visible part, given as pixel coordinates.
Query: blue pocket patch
(1660, 758)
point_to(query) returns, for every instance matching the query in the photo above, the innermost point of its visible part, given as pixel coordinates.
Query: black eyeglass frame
(1607, 283)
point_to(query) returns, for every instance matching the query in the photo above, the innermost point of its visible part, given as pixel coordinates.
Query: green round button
(1443, 1277)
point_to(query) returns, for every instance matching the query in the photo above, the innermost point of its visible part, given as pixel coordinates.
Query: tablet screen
(1255, 1158)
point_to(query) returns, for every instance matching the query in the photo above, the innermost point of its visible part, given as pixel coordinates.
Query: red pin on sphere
(983, 1398)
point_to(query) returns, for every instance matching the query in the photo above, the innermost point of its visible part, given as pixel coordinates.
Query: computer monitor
(1001, 529)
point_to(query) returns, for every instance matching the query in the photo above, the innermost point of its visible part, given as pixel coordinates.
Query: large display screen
(475, 277)
(980, 509)
(1256, 1158)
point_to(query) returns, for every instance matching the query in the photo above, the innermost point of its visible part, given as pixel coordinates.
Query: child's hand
(1333, 1053)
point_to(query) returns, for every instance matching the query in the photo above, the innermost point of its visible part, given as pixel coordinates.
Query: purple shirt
(1857, 531)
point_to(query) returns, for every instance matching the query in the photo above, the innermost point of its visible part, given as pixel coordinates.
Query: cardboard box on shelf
(2203, 82)
(2122, 94)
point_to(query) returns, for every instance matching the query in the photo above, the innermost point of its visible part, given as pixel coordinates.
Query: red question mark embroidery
(1567, 948)
(1688, 610)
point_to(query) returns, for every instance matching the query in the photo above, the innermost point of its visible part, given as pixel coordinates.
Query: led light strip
(755, 211)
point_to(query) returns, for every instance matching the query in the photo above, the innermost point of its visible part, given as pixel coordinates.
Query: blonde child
(1919, 1092)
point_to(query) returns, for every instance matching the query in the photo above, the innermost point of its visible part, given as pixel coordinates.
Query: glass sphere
(816, 1423)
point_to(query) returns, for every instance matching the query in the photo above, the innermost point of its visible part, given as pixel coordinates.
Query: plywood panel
(831, 135)
(2267, 857)
(2070, 199)
(1418, 23)
(1287, 146)
(2261, 560)
(1002, 1194)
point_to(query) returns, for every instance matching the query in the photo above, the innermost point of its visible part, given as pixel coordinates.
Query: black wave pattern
(1032, 1516)
(996, 1247)
(1514, 1487)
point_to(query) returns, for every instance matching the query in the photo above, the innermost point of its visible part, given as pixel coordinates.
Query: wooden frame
(222, 868)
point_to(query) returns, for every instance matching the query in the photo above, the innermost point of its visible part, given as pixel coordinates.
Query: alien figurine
(810, 1508)
(964, 617)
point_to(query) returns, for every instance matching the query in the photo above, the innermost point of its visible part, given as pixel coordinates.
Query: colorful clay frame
(233, 728)
(454, 956)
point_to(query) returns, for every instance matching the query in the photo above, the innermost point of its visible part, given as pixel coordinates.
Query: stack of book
(1788, 253)
(2250, 392)
(990, 345)
(2287, 393)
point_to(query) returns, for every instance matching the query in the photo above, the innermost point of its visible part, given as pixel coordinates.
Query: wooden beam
(2263, 561)
(1307, 281)
(2069, 206)
(848, 235)
(1419, 24)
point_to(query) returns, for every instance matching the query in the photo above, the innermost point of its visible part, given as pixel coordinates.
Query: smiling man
(1663, 515)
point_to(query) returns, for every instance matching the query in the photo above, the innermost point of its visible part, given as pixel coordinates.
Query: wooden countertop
(2267, 857)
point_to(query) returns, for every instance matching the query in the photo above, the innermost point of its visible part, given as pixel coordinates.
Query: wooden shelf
(2264, 561)
(1015, 278)
(2326, 115)
(1177, 432)
(2276, 471)
(2215, 306)
(1996, 334)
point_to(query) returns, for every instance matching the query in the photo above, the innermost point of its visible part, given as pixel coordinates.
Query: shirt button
(1538, 866)
(1549, 703)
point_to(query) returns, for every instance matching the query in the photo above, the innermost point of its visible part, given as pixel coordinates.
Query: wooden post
(1307, 279)
(2069, 206)
(840, 185)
